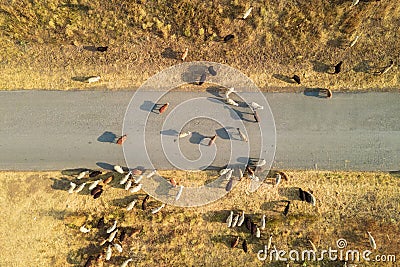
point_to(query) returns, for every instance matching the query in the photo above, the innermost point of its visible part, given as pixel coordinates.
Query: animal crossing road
(53, 130)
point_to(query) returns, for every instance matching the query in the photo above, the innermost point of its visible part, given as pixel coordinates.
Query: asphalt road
(56, 130)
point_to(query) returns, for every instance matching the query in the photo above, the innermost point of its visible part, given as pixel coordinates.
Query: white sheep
(71, 187)
(80, 188)
(112, 227)
(247, 13)
(154, 211)
(108, 253)
(241, 219)
(229, 219)
(94, 184)
(118, 169)
(136, 188)
(112, 235)
(126, 177)
(178, 195)
(131, 205)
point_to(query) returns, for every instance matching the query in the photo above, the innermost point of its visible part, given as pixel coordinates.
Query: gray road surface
(55, 130)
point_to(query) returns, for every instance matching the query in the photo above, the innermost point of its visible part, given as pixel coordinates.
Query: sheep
(296, 79)
(131, 205)
(309, 198)
(256, 117)
(202, 78)
(302, 194)
(212, 140)
(97, 189)
(184, 134)
(253, 228)
(98, 194)
(391, 64)
(228, 37)
(128, 185)
(338, 67)
(354, 41)
(163, 108)
(278, 177)
(229, 185)
(94, 184)
(224, 171)
(126, 177)
(255, 106)
(240, 173)
(108, 180)
(80, 188)
(82, 174)
(184, 55)
(92, 79)
(243, 137)
(71, 187)
(83, 229)
(244, 246)
(151, 173)
(254, 178)
(94, 174)
(284, 176)
(122, 139)
(138, 179)
(241, 220)
(235, 242)
(102, 48)
(118, 169)
(112, 227)
(229, 219)
(228, 175)
(260, 163)
(355, 2)
(262, 222)
(228, 92)
(328, 93)
(248, 223)
(178, 195)
(235, 220)
(155, 210)
(172, 182)
(108, 253)
(118, 247)
(231, 102)
(136, 188)
(137, 172)
(372, 241)
(286, 210)
(144, 203)
(112, 235)
(125, 263)
(212, 71)
(247, 13)
(249, 170)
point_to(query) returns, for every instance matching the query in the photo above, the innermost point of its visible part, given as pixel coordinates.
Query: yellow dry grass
(40, 221)
(46, 44)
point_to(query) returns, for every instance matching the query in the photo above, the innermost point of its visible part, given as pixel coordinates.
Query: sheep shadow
(71, 172)
(222, 133)
(169, 132)
(315, 92)
(338, 42)
(147, 106)
(60, 184)
(284, 78)
(81, 79)
(170, 53)
(291, 193)
(363, 66)
(192, 76)
(277, 206)
(105, 166)
(90, 48)
(214, 90)
(75, 256)
(196, 138)
(123, 202)
(320, 66)
(107, 137)
(216, 216)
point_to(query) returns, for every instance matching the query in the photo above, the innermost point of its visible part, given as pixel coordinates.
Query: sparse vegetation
(45, 43)
(44, 220)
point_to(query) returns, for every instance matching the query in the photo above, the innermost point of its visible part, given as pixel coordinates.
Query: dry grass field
(50, 44)
(40, 221)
